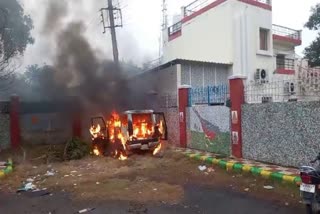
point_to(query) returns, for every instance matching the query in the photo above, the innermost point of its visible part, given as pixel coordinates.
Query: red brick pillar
(14, 122)
(237, 99)
(77, 126)
(183, 104)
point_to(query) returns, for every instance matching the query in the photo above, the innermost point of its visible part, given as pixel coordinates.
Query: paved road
(198, 199)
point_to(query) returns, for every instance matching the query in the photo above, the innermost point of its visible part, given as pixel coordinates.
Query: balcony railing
(175, 28)
(195, 6)
(199, 4)
(287, 64)
(286, 32)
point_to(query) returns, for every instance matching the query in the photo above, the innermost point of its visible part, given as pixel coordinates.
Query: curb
(239, 167)
(7, 170)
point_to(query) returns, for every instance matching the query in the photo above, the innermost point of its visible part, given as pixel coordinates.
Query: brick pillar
(77, 126)
(183, 104)
(237, 99)
(15, 136)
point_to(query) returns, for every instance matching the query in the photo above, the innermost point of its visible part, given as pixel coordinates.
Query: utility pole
(164, 15)
(113, 14)
(164, 27)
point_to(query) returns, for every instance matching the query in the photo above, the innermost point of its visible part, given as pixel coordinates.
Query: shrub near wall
(281, 133)
(208, 129)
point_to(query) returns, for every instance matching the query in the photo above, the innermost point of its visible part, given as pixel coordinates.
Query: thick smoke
(99, 85)
(55, 13)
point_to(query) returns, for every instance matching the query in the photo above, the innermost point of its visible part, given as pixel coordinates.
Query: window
(280, 61)
(264, 38)
(284, 63)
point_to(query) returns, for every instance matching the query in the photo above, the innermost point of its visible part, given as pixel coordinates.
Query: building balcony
(286, 35)
(284, 65)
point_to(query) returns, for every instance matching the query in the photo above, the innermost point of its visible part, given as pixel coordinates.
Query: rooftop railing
(286, 32)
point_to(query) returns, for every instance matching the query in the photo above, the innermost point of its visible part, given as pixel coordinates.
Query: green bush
(76, 149)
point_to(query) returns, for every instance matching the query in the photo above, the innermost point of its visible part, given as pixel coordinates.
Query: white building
(238, 33)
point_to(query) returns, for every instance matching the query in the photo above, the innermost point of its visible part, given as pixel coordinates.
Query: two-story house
(212, 40)
(239, 33)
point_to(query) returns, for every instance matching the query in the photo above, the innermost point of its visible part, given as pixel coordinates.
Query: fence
(210, 95)
(282, 91)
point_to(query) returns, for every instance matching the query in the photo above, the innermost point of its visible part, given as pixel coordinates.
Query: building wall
(247, 21)
(4, 131)
(208, 129)
(281, 133)
(46, 128)
(207, 37)
(172, 120)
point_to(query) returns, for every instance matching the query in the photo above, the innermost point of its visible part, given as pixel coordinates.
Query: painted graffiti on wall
(209, 129)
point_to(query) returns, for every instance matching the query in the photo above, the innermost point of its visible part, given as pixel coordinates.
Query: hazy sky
(139, 37)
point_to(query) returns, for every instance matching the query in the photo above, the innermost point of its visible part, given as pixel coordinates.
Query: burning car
(130, 131)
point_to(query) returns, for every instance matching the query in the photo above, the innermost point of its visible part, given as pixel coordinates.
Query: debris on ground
(202, 168)
(246, 189)
(27, 187)
(3, 165)
(268, 187)
(210, 169)
(86, 210)
(30, 180)
(50, 173)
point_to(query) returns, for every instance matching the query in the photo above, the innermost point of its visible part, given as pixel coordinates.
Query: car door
(161, 121)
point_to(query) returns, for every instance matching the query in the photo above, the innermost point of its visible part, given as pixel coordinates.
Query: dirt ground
(141, 178)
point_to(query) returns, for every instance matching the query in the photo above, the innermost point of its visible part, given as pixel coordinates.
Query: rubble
(202, 168)
(50, 173)
(268, 187)
(86, 210)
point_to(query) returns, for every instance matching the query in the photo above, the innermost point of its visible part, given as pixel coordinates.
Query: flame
(117, 123)
(157, 150)
(122, 157)
(141, 130)
(123, 141)
(95, 131)
(96, 151)
(161, 128)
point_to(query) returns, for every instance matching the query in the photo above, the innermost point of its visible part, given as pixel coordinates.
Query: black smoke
(99, 85)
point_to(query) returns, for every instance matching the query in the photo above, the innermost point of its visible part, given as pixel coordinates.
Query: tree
(39, 82)
(312, 53)
(15, 35)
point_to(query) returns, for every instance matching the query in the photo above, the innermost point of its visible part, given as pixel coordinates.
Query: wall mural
(209, 129)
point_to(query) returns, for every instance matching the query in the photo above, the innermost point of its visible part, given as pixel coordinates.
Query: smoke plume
(99, 85)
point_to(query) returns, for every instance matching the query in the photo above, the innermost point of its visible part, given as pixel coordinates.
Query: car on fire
(131, 131)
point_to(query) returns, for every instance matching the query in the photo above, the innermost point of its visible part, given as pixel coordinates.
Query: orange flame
(157, 150)
(96, 151)
(95, 131)
(122, 157)
(141, 130)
